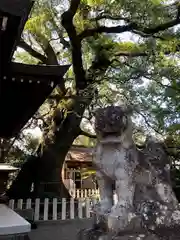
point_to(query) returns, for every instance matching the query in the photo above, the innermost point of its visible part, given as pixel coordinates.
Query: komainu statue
(140, 177)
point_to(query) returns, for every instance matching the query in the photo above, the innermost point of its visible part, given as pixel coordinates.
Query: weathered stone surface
(141, 178)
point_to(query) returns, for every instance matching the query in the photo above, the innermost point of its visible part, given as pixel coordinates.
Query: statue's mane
(113, 124)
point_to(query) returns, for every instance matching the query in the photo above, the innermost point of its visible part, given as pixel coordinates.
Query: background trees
(119, 51)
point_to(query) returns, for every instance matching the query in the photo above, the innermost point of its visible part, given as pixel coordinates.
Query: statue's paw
(102, 208)
(175, 218)
(119, 218)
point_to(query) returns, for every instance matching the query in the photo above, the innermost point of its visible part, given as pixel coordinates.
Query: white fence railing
(84, 193)
(55, 209)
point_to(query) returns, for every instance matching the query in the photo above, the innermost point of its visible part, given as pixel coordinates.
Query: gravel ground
(68, 230)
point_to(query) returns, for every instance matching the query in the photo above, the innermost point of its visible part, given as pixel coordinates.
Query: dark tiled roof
(23, 88)
(15, 7)
(24, 98)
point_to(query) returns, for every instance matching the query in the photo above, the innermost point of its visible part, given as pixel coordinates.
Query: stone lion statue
(141, 177)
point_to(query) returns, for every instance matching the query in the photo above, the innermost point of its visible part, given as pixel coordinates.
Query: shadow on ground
(59, 230)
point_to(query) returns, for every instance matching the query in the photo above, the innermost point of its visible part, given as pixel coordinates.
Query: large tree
(119, 51)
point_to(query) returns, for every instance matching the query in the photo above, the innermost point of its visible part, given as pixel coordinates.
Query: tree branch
(158, 28)
(147, 122)
(103, 29)
(108, 16)
(60, 33)
(131, 54)
(141, 54)
(32, 52)
(74, 4)
(67, 23)
(51, 55)
(130, 27)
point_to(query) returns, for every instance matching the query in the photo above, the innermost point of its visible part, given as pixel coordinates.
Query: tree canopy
(119, 51)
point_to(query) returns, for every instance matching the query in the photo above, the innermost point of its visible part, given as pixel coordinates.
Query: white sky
(36, 132)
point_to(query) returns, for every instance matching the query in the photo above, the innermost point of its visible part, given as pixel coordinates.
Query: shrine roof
(80, 154)
(23, 90)
(15, 7)
(14, 15)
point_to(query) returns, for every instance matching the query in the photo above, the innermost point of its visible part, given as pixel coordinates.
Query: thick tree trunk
(21, 186)
(45, 171)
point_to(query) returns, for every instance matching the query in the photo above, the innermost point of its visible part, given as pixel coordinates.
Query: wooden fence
(55, 209)
(84, 193)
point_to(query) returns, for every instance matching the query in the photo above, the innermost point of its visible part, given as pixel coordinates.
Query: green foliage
(16, 157)
(25, 57)
(149, 83)
(145, 12)
(16, 153)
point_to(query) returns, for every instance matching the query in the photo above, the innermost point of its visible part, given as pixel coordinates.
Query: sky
(35, 132)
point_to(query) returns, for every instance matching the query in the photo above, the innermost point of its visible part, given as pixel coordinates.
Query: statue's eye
(117, 117)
